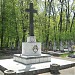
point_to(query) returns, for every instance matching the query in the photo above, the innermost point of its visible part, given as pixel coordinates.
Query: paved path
(67, 58)
(1, 73)
(69, 71)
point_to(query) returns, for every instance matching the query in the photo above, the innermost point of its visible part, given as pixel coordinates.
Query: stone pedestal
(31, 49)
(31, 39)
(32, 59)
(31, 52)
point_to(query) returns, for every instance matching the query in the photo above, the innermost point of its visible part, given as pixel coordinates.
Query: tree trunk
(2, 21)
(16, 28)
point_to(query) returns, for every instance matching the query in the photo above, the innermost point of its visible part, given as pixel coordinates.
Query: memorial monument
(31, 50)
(54, 46)
(61, 47)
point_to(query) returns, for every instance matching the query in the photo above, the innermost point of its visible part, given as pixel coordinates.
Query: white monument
(54, 46)
(31, 44)
(61, 46)
(31, 50)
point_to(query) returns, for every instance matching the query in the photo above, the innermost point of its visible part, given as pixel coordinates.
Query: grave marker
(31, 26)
(54, 46)
(61, 46)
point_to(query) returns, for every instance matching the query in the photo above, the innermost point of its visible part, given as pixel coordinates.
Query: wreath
(35, 48)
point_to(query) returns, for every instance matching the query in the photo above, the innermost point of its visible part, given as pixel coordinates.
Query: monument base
(31, 48)
(32, 59)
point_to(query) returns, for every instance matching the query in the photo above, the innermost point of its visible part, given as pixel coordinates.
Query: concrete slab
(34, 68)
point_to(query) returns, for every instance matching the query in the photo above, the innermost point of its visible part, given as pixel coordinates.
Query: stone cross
(31, 11)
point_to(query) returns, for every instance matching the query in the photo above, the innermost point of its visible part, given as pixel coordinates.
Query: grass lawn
(66, 54)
